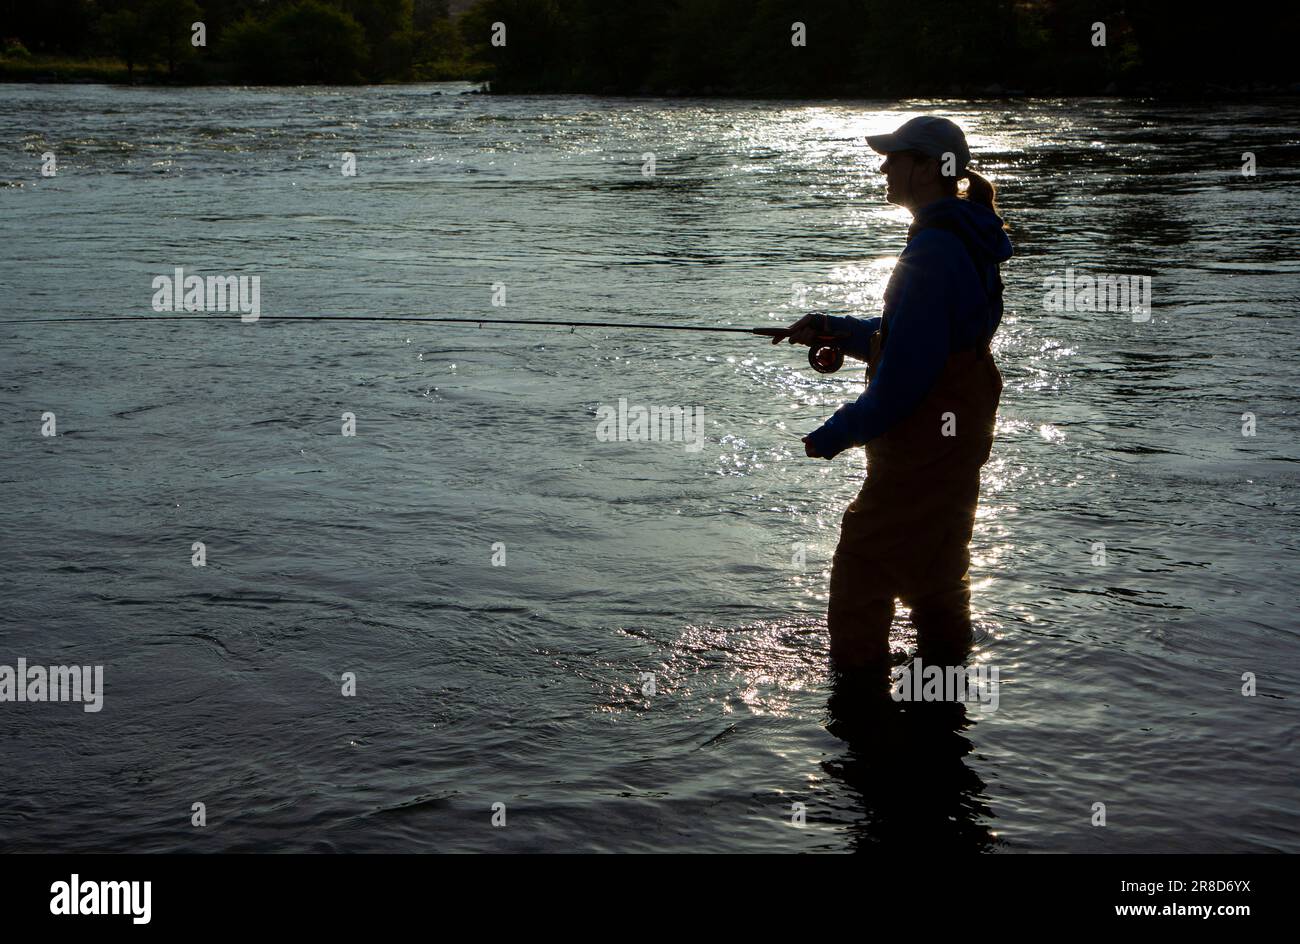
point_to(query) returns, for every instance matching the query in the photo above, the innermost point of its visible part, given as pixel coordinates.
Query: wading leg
(943, 628)
(941, 605)
(860, 610)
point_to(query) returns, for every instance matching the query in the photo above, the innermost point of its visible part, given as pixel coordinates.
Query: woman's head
(925, 159)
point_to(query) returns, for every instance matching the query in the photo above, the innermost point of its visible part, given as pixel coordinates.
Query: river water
(704, 570)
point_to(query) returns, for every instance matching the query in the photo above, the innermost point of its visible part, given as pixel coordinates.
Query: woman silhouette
(926, 418)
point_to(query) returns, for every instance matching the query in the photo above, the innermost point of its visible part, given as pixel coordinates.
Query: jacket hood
(980, 224)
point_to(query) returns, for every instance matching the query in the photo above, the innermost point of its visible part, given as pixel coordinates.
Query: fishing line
(825, 357)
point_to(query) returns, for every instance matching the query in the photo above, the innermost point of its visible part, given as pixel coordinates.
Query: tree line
(854, 48)
(242, 41)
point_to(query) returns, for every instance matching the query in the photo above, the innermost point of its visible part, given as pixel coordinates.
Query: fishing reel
(825, 356)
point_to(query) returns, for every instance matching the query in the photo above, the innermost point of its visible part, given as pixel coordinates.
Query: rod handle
(784, 332)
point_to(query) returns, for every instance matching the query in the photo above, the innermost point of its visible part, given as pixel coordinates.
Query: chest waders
(907, 534)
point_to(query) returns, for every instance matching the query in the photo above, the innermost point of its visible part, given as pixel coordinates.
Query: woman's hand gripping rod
(824, 353)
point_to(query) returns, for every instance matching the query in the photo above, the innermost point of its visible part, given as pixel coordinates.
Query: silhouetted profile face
(904, 171)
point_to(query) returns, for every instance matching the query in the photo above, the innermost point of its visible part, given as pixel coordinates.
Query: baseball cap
(928, 134)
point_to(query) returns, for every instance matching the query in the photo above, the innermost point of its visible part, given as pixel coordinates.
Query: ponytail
(981, 190)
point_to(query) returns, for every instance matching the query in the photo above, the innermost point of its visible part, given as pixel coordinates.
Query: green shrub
(308, 42)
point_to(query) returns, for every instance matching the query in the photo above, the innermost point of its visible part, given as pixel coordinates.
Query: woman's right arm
(854, 334)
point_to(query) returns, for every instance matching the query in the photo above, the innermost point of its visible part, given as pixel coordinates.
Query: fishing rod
(825, 357)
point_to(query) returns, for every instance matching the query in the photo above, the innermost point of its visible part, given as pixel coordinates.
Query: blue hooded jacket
(938, 300)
